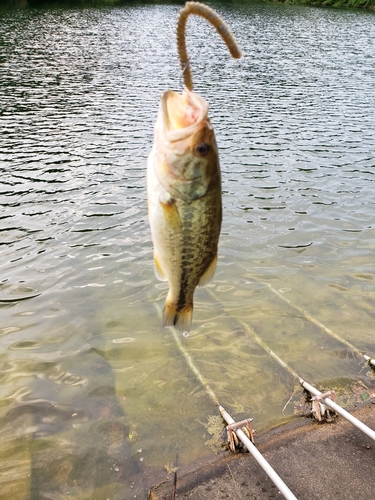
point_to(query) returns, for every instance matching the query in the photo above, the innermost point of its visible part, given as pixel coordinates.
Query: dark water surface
(95, 397)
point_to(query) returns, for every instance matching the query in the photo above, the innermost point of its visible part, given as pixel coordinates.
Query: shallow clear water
(96, 398)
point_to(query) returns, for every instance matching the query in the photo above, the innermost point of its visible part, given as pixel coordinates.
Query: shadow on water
(77, 446)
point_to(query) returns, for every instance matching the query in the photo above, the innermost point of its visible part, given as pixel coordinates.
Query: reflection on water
(95, 397)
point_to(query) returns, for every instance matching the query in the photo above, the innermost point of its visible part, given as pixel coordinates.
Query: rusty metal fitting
(319, 409)
(247, 429)
(232, 440)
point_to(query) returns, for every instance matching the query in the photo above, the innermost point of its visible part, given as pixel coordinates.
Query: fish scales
(184, 197)
(198, 243)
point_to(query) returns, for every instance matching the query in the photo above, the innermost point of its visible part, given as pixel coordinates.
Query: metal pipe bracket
(247, 429)
(319, 410)
(370, 362)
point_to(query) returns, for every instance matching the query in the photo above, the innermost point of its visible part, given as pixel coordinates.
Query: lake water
(96, 399)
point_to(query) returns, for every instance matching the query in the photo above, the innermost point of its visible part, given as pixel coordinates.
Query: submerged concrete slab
(316, 461)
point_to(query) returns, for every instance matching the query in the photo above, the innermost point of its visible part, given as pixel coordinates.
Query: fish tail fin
(179, 319)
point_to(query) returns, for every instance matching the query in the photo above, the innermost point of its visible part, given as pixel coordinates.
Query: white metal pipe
(275, 478)
(279, 483)
(334, 406)
(369, 432)
(369, 360)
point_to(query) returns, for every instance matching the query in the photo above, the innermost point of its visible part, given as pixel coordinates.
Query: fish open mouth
(183, 114)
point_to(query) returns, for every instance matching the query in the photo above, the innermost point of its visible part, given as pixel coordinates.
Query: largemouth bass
(184, 201)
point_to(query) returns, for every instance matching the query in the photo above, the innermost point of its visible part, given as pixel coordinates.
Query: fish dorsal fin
(209, 272)
(159, 273)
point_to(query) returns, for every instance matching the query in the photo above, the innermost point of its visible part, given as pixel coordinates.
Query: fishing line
(194, 369)
(212, 17)
(316, 322)
(189, 360)
(264, 346)
(256, 337)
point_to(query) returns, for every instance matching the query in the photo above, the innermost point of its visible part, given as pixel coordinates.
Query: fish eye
(202, 149)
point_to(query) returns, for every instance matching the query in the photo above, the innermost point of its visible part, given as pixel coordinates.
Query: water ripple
(294, 122)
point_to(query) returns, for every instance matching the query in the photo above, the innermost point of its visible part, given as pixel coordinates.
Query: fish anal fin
(179, 319)
(209, 272)
(159, 273)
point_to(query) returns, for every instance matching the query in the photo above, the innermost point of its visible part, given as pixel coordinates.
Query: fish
(184, 201)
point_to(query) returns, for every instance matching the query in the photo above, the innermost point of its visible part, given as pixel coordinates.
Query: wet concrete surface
(316, 461)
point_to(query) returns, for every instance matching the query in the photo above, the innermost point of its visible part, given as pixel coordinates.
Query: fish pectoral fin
(209, 272)
(170, 213)
(180, 319)
(159, 273)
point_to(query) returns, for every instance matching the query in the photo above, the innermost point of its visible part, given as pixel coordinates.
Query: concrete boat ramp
(316, 461)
